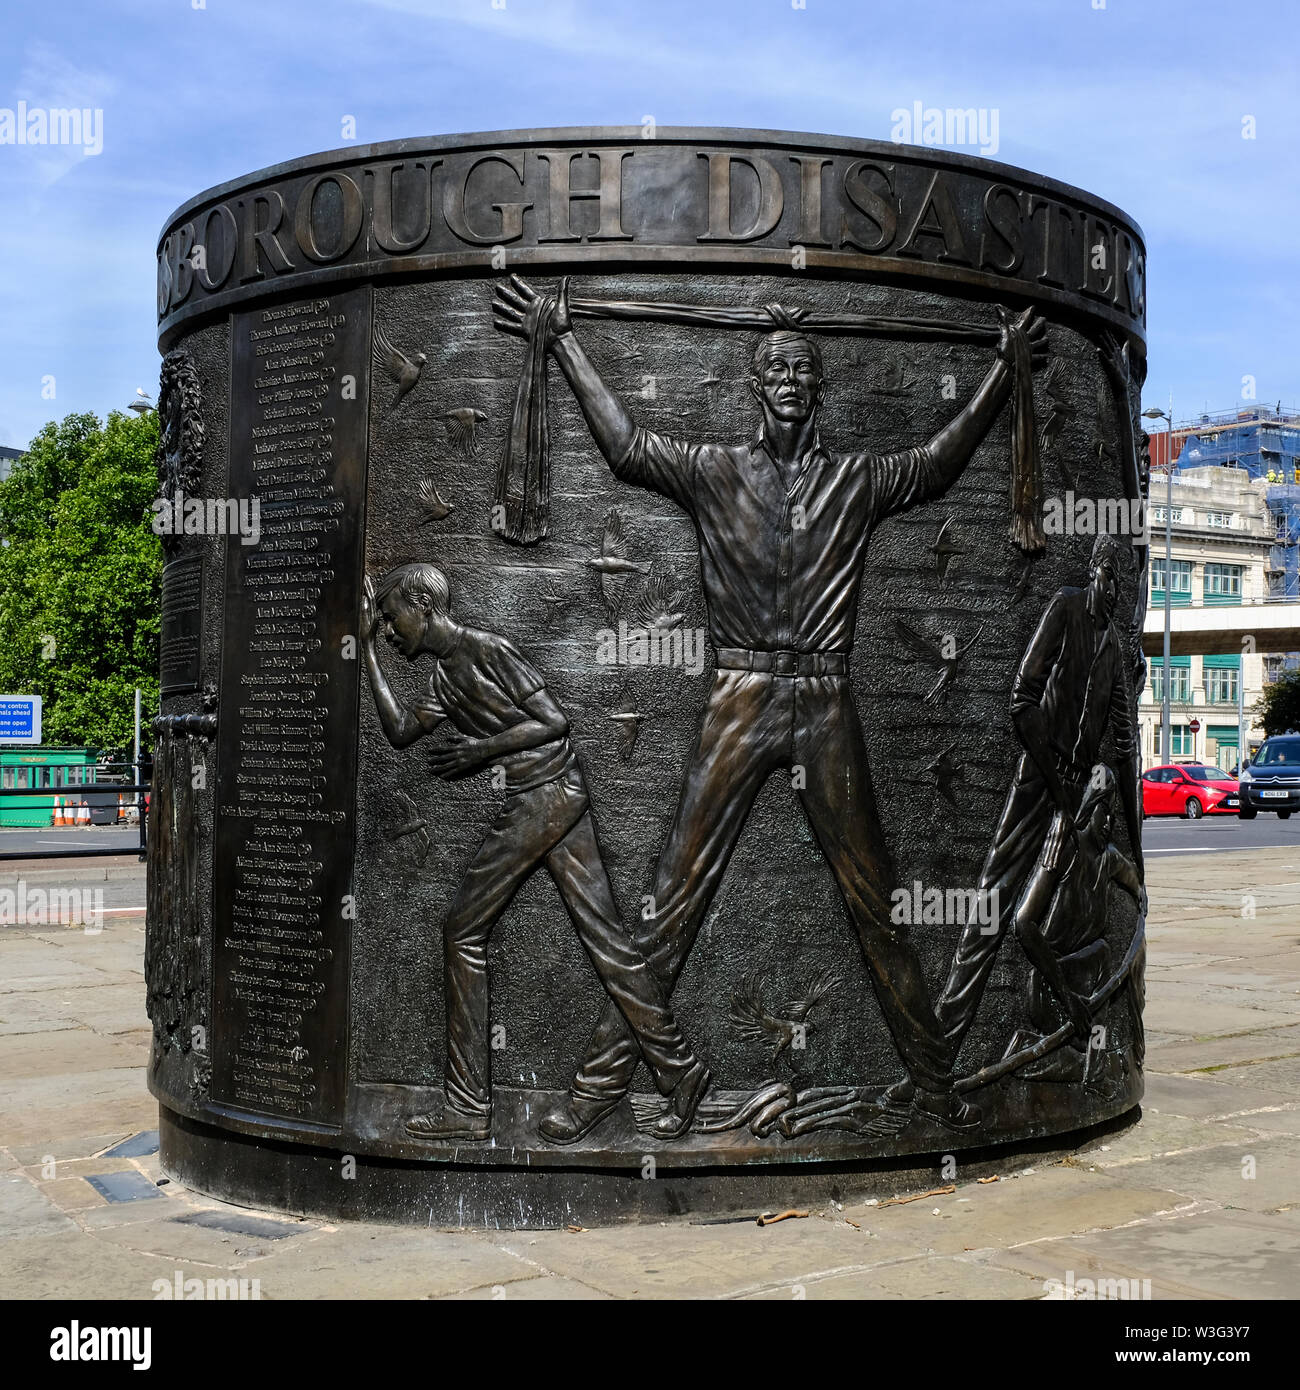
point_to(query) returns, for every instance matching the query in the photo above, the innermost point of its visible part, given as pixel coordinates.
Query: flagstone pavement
(1201, 1196)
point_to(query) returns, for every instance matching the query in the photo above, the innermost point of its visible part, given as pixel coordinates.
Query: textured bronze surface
(662, 717)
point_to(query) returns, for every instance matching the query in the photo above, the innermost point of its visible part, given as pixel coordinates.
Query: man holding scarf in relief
(783, 527)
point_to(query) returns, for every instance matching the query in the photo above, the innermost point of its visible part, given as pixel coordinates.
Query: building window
(1158, 515)
(1180, 684)
(1182, 576)
(1221, 687)
(1180, 741)
(1223, 583)
(1221, 520)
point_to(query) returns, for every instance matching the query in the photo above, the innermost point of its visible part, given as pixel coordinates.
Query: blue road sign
(20, 718)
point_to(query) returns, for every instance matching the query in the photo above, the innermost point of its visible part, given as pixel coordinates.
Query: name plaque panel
(182, 619)
(286, 744)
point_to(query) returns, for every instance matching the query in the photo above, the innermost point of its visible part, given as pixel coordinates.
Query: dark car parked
(1271, 780)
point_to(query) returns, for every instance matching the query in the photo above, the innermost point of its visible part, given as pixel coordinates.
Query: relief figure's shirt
(781, 567)
(481, 687)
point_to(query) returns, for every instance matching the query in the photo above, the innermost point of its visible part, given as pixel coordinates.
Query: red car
(1188, 790)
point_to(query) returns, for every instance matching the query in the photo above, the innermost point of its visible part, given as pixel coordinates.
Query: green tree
(1278, 708)
(80, 577)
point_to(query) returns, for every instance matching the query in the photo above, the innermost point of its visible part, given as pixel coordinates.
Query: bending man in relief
(502, 715)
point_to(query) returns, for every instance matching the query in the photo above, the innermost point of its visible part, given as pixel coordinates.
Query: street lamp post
(1166, 729)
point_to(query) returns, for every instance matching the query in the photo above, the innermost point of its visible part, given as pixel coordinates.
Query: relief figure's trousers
(754, 723)
(548, 824)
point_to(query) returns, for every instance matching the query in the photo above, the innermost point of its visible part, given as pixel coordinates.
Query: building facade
(1224, 535)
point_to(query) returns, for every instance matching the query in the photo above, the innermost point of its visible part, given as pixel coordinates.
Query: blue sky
(1139, 102)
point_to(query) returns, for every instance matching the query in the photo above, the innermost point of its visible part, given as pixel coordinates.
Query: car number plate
(1273, 793)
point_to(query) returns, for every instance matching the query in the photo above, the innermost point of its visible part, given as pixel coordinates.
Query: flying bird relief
(783, 1026)
(944, 657)
(432, 506)
(462, 426)
(629, 722)
(1026, 574)
(710, 381)
(555, 605)
(1059, 410)
(944, 548)
(402, 370)
(945, 772)
(622, 355)
(413, 824)
(899, 381)
(612, 566)
(658, 605)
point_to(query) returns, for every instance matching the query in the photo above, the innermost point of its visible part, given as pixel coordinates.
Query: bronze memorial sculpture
(747, 529)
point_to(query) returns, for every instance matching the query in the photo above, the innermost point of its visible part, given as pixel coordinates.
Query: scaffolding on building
(1264, 442)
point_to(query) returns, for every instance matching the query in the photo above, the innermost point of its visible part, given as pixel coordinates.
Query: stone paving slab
(1060, 1200)
(1202, 1054)
(1206, 1097)
(543, 1288)
(368, 1262)
(925, 1278)
(1206, 1255)
(1160, 1136)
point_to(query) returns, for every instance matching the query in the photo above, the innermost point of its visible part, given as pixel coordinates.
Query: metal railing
(70, 794)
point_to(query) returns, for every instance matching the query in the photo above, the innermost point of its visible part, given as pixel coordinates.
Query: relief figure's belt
(783, 663)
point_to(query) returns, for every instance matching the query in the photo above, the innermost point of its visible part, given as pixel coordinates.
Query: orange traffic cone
(56, 811)
(83, 814)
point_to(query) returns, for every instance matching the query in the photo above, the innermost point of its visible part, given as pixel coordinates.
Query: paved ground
(1201, 1198)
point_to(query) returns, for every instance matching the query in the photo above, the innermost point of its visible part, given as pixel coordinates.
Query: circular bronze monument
(650, 658)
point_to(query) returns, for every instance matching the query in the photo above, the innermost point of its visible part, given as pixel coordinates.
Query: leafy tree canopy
(1278, 708)
(80, 577)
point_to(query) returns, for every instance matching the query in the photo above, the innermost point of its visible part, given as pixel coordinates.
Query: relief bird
(944, 548)
(1059, 411)
(555, 605)
(658, 605)
(898, 380)
(612, 564)
(753, 1021)
(944, 659)
(462, 425)
(946, 772)
(404, 371)
(629, 721)
(621, 354)
(432, 507)
(414, 824)
(1022, 584)
(710, 381)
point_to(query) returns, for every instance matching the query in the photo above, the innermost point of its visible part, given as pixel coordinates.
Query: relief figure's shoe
(574, 1117)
